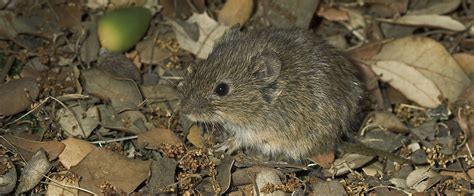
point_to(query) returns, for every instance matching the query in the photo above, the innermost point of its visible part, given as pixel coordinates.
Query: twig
(115, 140)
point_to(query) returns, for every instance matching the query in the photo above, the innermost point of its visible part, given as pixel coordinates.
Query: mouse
(280, 92)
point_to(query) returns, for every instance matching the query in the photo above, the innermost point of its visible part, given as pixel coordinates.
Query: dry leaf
(409, 81)
(431, 59)
(389, 121)
(466, 62)
(235, 12)
(324, 160)
(332, 187)
(209, 32)
(17, 95)
(74, 151)
(101, 166)
(437, 7)
(60, 186)
(333, 14)
(27, 148)
(77, 122)
(433, 21)
(154, 138)
(33, 172)
(194, 136)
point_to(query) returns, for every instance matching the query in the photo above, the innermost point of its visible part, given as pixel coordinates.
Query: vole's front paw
(229, 146)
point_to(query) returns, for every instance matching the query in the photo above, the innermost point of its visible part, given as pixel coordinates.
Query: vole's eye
(222, 89)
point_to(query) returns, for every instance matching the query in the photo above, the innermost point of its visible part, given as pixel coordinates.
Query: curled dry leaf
(414, 85)
(74, 151)
(224, 173)
(431, 59)
(433, 21)
(209, 32)
(235, 12)
(267, 176)
(34, 170)
(162, 175)
(17, 95)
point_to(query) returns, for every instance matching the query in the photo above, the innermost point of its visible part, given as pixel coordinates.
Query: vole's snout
(193, 108)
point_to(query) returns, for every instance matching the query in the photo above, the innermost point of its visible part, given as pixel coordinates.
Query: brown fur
(303, 100)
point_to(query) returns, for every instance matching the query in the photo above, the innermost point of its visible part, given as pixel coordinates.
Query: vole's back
(289, 92)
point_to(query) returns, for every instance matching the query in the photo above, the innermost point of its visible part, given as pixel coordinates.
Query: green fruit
(120, 29)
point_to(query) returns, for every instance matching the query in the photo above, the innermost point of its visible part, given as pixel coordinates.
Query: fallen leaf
(264, 177)
(77, 122)
(466, 62)
(324, 160)
(33, 172)
(431, 59)
(333, 13)
(347, 163)
(27, 148)
(209, 32)
(12, 26)
(433, 21)
(437, 7)
(154, 138)
(332, 187)
(162, 174)
(224, 173)
(62, 185)
(89, 51)
(75, 150)
(194, 136)
(414, 85)
(119, 66)
(287, 14)
(17, 95)
(151, 52)
(389, 121)
(101, 166)
(67, 14)
(422, 178)
(235, 12)
(123, 93)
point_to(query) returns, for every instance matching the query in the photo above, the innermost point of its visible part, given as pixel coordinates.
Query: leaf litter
(112, 123)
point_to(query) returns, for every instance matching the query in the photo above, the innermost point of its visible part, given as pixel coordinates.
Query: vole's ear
(267, 66)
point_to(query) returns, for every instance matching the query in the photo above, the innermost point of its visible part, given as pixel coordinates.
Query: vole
(282, 92)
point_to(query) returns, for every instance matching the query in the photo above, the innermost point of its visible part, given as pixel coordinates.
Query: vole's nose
(193, 106)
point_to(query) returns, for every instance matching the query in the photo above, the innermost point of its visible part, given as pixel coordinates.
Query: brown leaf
(466, 62)
(27, 148)
(437, 7)
(75, 150)
(17, 95)
(154, 138)
(324, 160)
(102, 166)
(333, 13)
(431, 59)
(194, 136)
(389, 121)
(332, 187)
(433, 21)
(123, 93)
(409, 81)
(235, 12)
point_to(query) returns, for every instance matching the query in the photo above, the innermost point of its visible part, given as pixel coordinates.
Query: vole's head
(237, 81)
